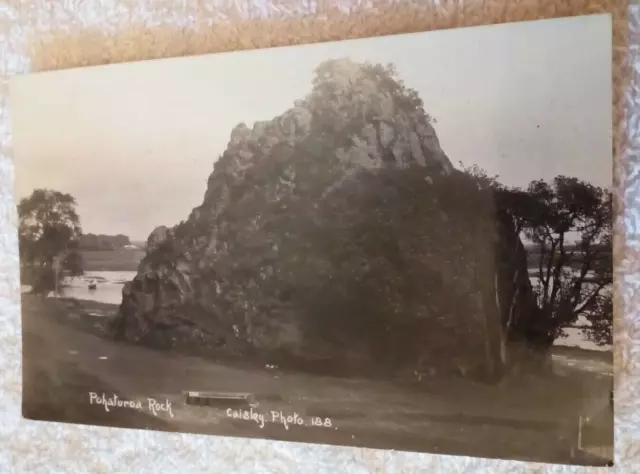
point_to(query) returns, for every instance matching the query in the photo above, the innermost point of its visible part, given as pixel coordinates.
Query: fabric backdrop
(38, 35)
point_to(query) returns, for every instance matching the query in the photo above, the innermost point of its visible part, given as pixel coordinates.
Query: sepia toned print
(398, 243)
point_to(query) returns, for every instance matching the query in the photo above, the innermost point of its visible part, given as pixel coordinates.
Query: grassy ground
(66, 356)
(56, 388)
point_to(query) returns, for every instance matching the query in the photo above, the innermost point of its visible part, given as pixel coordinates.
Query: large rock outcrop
(337, 234)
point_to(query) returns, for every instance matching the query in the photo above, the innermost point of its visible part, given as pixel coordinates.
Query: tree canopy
(49, 230)
(103, 242)
(569, 225)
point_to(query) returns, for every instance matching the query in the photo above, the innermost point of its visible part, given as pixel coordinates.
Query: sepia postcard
(401, 243)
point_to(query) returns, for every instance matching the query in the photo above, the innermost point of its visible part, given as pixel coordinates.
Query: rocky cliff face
(338, 233)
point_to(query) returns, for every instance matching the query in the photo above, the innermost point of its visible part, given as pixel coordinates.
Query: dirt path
(63, 364)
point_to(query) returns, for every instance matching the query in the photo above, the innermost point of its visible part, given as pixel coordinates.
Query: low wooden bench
(219, 399)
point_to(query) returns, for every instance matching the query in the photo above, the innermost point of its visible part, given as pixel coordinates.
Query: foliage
(483, 180)
(74, 262)
(390, 264)
(385, 263)
(103, 242)
(569, 222)
(346, 96)
(49, 229)
(373, 266)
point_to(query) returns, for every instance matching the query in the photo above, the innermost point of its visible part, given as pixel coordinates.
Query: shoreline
(127, 260)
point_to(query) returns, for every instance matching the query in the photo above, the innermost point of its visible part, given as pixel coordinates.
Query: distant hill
(103, 242)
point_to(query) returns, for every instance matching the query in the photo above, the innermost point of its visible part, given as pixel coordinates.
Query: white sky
(135, 143)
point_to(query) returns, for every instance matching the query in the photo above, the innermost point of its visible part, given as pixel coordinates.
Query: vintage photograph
(401, 242)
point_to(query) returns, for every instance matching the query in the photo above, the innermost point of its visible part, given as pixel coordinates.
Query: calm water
(109, 286)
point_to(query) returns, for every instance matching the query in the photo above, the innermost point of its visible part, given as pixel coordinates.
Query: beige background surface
(40, 35)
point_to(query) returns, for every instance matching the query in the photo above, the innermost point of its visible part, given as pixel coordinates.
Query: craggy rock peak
(336, 235)
(370, 124)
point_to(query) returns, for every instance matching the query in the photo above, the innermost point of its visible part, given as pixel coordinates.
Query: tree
(482, 178)
(103, 242)
(49, 229)
(74, 263)
(570, 223)
(342, 100)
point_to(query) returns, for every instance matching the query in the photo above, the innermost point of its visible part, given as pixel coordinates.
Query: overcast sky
(135, 143)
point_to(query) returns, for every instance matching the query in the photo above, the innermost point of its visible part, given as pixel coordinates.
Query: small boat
(93, 285)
